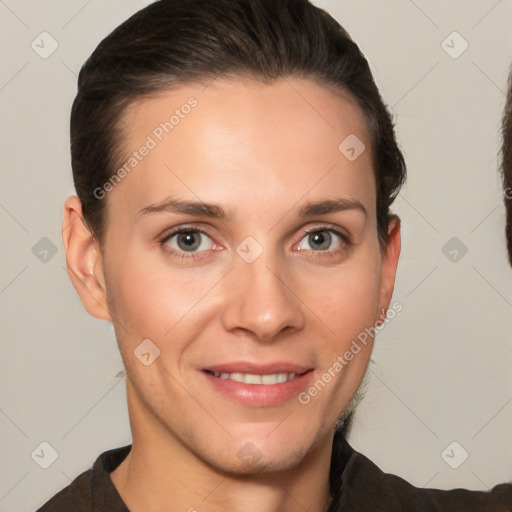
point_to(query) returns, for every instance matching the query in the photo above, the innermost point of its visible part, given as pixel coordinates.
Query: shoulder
(93, 489)
(366, 487)
(76, 496)
(372, 485)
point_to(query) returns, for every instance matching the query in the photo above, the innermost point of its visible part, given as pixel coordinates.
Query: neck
(160, 471)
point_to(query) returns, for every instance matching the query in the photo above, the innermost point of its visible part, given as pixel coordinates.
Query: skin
(261, 152)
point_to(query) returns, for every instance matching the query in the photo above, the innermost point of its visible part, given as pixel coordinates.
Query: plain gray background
(442, 368)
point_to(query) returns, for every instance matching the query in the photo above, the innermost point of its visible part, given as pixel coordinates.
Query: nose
(261, 300)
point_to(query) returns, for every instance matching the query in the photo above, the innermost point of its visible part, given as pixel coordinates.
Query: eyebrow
(331, 206)
(197, 208)
(215, 211)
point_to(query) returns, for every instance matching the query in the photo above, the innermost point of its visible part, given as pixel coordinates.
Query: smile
(251, 378)
(255, 385)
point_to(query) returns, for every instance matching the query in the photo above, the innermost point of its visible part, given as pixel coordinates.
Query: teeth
(269, 379)
(250, 378)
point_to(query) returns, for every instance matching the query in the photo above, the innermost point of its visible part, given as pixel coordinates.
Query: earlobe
(84, 261)
(390, 262)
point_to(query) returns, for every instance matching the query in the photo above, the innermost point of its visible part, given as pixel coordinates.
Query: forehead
(241, 139)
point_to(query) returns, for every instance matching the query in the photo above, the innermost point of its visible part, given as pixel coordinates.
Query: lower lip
(260, 395)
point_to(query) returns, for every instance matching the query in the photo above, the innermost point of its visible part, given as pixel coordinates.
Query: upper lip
(258, 369)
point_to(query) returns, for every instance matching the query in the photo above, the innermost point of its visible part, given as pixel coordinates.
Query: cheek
(150, 299)
(153, 300)
(347, 302)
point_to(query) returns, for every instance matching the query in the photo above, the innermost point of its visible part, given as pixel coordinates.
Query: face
(243, 245)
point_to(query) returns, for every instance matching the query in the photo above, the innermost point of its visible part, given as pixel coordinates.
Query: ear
(390, 262)
(84, 260)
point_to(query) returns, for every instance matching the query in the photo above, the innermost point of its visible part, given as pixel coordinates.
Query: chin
(248, 455)
(277, 462)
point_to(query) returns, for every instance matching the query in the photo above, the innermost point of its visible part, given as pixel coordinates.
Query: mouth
(257, 385)
(255, 378)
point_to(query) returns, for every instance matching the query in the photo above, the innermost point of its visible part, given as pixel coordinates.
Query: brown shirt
(357, 485)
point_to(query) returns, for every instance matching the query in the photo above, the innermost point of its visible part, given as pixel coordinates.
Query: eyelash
(346, 242)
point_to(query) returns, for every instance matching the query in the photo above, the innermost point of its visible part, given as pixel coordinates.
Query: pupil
(320, 239)
(188, 240)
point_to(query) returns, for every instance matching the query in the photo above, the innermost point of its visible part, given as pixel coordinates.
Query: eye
(324, 240)
(187, 240)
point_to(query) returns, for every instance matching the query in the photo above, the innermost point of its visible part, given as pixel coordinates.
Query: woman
(235, 167)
